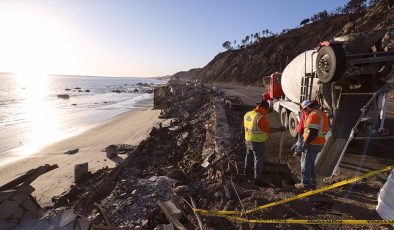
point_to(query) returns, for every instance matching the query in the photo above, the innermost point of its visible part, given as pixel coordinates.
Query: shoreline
(126, 128)
(19, 153)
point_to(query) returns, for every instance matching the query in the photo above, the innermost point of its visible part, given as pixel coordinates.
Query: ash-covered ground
(185, 161)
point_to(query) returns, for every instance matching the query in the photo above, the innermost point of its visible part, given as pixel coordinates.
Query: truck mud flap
(347, 114)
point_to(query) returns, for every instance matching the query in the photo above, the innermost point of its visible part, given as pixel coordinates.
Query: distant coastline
(33, 116)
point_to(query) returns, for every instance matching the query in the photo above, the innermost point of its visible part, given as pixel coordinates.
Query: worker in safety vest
(257, 128)
(315, 129)
(297, 147)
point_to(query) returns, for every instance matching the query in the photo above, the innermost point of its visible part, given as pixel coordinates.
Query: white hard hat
(306, 103)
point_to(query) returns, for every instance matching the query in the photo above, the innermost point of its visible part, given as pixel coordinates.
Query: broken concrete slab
(28, 177)
(18, 215)
(67, 217)
(9, 208)
(4, 195)
(20, 198)
(82, 223)
(32, 206)
(223, 133)
(25, 189)
(5, 225)
(172, 213)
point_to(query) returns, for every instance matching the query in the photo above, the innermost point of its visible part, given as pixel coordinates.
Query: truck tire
(293, 122)
(330, 63)
(284, 119)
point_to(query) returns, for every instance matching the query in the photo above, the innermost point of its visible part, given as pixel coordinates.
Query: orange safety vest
(316, 120)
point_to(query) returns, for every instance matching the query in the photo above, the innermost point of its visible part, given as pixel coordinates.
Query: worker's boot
(299, 186)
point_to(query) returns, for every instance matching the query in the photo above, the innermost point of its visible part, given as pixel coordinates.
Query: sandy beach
(127, 128)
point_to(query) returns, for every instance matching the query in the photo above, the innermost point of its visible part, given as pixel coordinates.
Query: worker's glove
(294, 147)
(298, 149)
(305, 147)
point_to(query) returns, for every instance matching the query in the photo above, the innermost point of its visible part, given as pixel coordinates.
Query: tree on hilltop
(339, 10)
(247, 39)
(227, 45)
(355, 5)
(305, 21)
(243, 43)
(319, 16)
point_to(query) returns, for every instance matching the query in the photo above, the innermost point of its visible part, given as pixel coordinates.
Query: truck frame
(351, 76)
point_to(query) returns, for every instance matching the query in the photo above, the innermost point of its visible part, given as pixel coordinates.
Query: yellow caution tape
(291, 221)
(303, 195)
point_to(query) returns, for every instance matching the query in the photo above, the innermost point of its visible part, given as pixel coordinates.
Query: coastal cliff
(250, 64)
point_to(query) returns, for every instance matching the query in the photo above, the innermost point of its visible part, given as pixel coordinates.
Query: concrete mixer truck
(348, 77)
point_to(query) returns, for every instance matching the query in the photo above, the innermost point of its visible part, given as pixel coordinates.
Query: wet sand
(127, 128)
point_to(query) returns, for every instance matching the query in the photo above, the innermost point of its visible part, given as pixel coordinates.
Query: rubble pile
(133, 199)
(16, 201)
(185, 163)
(18, 204)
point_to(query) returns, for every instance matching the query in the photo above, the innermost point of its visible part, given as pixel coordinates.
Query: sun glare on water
(38, 114)
(32, 45)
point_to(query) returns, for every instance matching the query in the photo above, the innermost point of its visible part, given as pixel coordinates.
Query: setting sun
(31, 44)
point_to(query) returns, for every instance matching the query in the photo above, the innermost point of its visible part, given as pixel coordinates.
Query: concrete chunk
(27, 215)
(9, 208)
(68, 216)
(18, 215)
(112, 151)
(20, 198)
(176, 212)
(82, 224)
(31, 206)
(5, 225)
(25, 189)
(4, 195)
(80, 172)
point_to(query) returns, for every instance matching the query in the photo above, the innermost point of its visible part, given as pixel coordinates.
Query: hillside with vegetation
(262, 53)
(184, 76)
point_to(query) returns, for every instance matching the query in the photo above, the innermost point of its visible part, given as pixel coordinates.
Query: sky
(135, 38)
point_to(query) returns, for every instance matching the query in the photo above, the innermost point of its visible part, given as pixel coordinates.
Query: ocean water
(32, 115)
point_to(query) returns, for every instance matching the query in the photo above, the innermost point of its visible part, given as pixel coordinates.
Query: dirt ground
(353, 201)
(208, 187)
(178, 162)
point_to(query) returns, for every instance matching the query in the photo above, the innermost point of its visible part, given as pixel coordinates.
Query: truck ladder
(307, 81)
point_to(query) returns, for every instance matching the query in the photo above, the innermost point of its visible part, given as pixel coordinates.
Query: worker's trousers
(308, 159)
(255, 150)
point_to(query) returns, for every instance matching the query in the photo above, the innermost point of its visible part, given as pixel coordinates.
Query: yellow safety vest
(252, 130)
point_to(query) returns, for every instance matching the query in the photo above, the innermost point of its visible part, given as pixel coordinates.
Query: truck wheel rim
(324, 63)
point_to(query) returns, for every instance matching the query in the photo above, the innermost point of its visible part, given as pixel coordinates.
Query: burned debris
(193, 159)
(16, 201)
